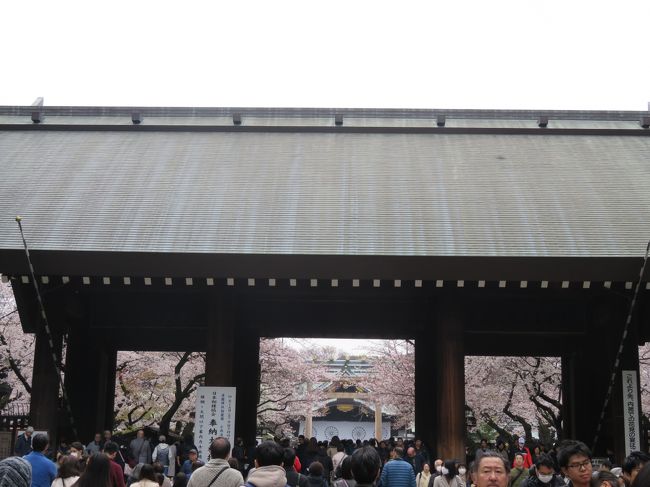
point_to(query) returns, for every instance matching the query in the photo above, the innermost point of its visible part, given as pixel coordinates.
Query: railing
(15, 409)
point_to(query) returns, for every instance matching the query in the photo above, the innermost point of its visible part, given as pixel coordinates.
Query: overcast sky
(564, 54)
(345, 345)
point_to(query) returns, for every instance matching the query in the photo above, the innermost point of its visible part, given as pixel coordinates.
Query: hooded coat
(269, 476)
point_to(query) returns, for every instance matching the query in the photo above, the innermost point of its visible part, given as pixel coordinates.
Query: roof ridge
(311, 112)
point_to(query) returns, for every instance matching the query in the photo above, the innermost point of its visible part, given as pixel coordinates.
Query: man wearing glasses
(574, 459)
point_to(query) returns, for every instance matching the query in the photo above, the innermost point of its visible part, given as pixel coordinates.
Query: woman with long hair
(97, 473)
(422, 479)
(347, 479)
(147, 477)
(449, 476)
(68, 472)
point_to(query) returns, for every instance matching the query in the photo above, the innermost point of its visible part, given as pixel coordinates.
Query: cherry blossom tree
(291, 380)
(392, 379)
(156, 388)
(515, 395)
(16, 352)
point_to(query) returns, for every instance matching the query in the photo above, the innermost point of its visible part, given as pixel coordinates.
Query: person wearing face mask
(437, 469)
(76, 449)
(545, 475)
(448, 476)
(462, 474)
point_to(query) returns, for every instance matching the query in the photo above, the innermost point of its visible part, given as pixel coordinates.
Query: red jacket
(117, 475)
(528, 458)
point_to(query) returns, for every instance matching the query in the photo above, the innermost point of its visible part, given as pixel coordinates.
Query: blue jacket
(43, 469)
(186, 468)
(397, 473)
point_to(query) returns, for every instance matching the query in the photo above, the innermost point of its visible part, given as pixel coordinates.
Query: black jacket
(533, 481)
(295, 479)
(315, 481)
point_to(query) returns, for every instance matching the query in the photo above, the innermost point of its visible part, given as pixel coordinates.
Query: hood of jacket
(270, 476)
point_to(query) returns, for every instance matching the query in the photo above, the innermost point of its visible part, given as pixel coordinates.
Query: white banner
(325, 430)
(631, 412)
(215, 416)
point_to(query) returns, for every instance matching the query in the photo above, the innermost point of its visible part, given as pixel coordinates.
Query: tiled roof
(325, 193)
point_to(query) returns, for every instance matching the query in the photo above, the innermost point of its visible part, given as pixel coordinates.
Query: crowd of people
(100, 463)
(309, 463)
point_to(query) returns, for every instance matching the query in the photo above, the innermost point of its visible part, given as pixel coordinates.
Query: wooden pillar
(586, 377)
(247, 380)
(219, 361)
(450, 372)
(110, 355)
(378, 423)
(425, 390)
(44, 409)
(309, 426)
(90, 382)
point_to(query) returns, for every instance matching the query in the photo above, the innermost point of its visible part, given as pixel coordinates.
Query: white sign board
(631, 412)
(215, 416)
(325, 430)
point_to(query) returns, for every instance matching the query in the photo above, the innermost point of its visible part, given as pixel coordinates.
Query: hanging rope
(48, 332)
(617, 362)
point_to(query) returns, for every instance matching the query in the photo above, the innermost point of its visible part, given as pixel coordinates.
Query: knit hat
(15, 472)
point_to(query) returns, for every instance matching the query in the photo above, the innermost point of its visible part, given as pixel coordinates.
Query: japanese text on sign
(630, 411)
(215, 416)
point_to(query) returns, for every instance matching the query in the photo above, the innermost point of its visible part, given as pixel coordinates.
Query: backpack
(163, 456)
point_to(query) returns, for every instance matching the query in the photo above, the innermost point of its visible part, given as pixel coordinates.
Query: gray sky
(345, 345)
(555, 54)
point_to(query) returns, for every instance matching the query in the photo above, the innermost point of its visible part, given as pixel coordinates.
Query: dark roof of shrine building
(258, 182)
